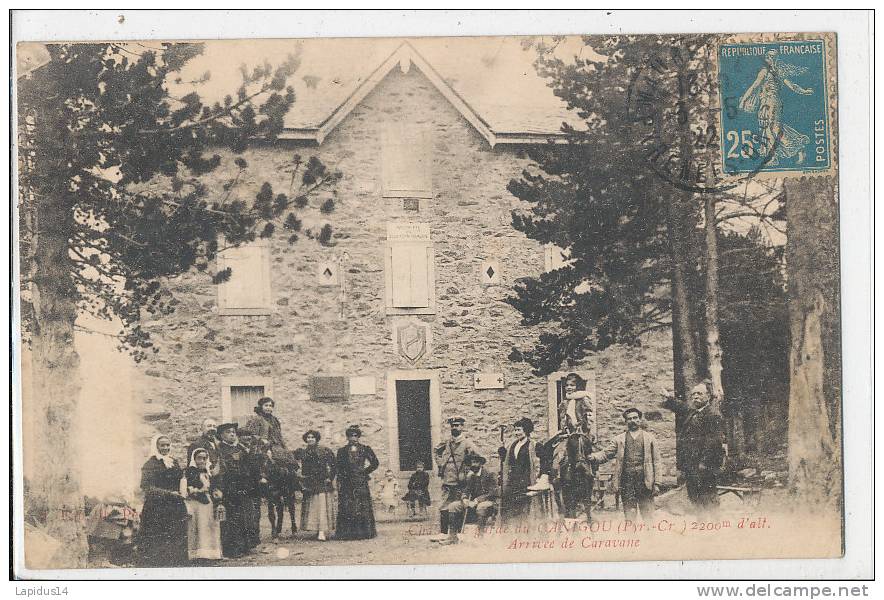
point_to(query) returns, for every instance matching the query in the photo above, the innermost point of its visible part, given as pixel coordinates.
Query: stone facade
(318, 330)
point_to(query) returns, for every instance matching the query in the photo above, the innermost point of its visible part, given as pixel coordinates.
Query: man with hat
(255, 463)
(451, 461)
(636, 468)
(701, 446)
(479, 494)
(234, 483)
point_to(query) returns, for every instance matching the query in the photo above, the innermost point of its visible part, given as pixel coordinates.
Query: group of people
(211, 508)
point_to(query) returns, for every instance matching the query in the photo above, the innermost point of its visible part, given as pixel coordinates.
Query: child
(418, 490)
(390, 491)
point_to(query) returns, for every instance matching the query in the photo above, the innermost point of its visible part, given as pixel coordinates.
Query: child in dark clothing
(418, 495)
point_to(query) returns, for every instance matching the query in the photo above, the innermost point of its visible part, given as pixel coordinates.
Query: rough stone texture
(473, 330)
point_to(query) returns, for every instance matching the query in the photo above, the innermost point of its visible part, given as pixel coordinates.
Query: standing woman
(203, 531)
(318, 474)
(355, 462)
(162, 540)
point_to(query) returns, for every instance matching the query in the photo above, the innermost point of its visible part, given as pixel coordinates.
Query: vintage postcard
(436, 300)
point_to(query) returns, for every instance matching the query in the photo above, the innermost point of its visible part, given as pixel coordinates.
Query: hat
(526, 424)
(246, 431)
(353, 429)
(632, 409)
(456, 421)
(224, 426)
(478, 458)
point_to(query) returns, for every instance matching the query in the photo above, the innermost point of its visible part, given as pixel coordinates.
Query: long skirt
(355, 513)
(234, 532)
(318, 513)
(162, 540)
(203, 532)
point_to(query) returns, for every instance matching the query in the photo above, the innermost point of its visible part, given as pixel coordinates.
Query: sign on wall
(327, 273)
(488, 381)
(411, 339)
(489, 272)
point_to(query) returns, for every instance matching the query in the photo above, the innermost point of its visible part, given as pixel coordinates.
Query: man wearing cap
(480, 491)
(451, 461)
(701, 446)
(636, 468)
(234, 483)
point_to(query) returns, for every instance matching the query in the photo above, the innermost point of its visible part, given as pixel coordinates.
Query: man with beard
(636, 468)
(208, 441)
(451, 461)
(701, 446)
(479, 494)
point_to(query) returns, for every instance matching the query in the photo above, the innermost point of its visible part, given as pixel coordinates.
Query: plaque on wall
(488, 381)
(411, 339)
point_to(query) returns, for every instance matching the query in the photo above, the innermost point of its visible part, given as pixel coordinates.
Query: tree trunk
(54, 484)
(713, 345)
(815, 463)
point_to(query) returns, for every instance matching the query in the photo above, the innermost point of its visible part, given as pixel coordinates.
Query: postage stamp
(774, 107)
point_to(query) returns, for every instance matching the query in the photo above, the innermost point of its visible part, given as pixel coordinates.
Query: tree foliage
(99, 128)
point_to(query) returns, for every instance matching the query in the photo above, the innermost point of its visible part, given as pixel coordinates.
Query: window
(239, 396)
(247, 292)
(410, 278)
(406, 163)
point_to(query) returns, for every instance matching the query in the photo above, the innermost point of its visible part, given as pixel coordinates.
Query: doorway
(414, 413)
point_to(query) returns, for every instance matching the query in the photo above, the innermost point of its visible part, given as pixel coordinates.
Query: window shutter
(248, 288)
(406, 163)
(410, 275)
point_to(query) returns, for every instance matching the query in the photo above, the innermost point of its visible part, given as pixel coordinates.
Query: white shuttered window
(410, 278)
(247, 292)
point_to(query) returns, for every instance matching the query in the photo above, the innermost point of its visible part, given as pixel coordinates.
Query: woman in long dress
(355, 462)
(162, 541)
(204, 530)
(318, 474)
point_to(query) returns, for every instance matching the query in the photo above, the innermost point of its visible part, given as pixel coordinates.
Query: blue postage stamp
(774, 107)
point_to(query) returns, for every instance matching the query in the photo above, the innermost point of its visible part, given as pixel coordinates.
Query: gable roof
(544, 127)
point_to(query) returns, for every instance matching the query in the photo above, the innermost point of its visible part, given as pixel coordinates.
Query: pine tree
(96, 124)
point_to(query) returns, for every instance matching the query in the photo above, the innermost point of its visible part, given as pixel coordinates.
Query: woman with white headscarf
(162, 541)
(201, 496)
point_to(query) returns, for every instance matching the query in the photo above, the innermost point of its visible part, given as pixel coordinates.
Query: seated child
(418, 490)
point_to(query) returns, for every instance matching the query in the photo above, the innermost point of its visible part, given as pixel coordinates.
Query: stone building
(400, 322)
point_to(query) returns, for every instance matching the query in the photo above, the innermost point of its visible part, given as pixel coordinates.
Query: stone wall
(473, 330)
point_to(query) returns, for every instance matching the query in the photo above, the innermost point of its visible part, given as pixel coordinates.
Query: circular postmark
(672, 109)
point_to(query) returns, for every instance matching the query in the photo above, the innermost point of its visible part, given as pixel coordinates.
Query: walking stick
(498, 518)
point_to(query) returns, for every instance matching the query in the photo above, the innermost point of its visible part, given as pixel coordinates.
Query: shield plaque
(411, 341)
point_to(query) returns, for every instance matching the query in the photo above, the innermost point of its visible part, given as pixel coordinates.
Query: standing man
(234, 485)
(702, 447)
(520, 470)
(636, 468)
(451, 462)
(208, 441)
(255, 462)
(479, 493)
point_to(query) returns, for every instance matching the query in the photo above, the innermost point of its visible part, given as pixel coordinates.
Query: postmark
(774, 107)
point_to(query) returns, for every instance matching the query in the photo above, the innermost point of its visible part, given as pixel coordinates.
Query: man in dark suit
(480, 493)
(702, 446)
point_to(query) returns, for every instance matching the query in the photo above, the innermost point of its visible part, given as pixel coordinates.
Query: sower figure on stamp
(701, 446)
(636, 468)
(479, 494)
(451, 457)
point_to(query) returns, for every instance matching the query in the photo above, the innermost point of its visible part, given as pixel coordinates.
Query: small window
(247, 292)
(410, 278)
(406, 163)
(239, 396)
